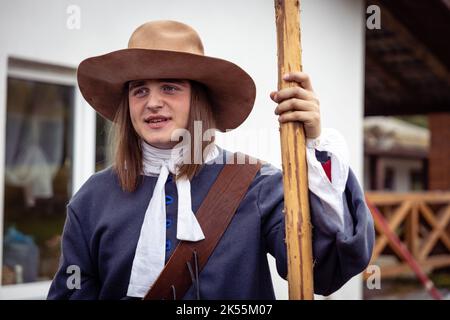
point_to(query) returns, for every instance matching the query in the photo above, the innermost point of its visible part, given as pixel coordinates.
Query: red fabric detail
(327, 168)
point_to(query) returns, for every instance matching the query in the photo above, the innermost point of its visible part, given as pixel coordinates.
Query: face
(158, 107)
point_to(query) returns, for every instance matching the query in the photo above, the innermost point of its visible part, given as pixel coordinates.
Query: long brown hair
(127, 152)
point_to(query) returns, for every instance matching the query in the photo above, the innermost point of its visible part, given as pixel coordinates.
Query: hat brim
(232, 91)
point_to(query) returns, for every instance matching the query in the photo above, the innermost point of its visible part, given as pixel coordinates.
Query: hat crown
(166, 35)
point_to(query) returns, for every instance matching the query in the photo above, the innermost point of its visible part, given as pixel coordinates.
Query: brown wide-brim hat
(167, 50)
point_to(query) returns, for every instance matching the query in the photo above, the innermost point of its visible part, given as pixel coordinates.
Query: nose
(154, 100)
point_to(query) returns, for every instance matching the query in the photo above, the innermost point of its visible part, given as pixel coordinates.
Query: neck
(155, 156)
(150, 151)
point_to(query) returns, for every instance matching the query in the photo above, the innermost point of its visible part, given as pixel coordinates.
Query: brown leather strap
(214, 215)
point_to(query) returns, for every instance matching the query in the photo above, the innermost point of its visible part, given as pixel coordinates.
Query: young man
(125, 222)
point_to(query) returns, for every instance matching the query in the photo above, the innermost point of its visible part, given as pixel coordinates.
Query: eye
(167, 88)
(140, 92)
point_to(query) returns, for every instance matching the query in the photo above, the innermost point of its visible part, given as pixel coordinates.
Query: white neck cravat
(150, 253)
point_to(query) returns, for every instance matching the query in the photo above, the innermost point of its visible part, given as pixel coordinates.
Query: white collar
(150, 252)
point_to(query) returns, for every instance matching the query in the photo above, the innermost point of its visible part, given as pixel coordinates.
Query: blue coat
(103, 225)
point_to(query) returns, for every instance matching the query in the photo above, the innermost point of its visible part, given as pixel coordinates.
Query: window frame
(83, 153)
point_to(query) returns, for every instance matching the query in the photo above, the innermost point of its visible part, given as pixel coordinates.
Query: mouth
(157, 121)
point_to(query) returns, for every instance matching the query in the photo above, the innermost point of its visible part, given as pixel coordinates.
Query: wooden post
(293, 149)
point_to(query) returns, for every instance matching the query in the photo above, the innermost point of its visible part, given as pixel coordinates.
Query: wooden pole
(293, 150)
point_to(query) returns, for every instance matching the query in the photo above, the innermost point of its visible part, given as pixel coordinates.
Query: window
(38, 177)
(416, 178)
(389, 178)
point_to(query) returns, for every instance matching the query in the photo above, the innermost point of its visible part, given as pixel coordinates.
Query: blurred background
(380, 69)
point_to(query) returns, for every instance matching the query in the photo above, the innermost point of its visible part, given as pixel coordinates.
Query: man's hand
(299, 104)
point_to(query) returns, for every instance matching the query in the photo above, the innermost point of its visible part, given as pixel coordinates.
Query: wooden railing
(421, 220)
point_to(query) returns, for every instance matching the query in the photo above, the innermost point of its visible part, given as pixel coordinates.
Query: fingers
(310, 120)
(272, 95)
(301, 78)
(296, 105)
(308, 117)
(292, 92)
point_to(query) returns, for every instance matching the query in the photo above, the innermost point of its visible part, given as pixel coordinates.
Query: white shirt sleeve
(328, 191)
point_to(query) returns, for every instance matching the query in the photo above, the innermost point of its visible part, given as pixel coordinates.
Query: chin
(160, 139)
(160, 143)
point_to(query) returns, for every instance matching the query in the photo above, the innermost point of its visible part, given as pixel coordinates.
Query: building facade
(51, 140)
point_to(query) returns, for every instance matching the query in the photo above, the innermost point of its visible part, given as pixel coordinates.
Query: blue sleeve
(339, 252)
(74, 252)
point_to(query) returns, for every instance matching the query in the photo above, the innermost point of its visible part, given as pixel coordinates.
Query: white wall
(240, 31)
